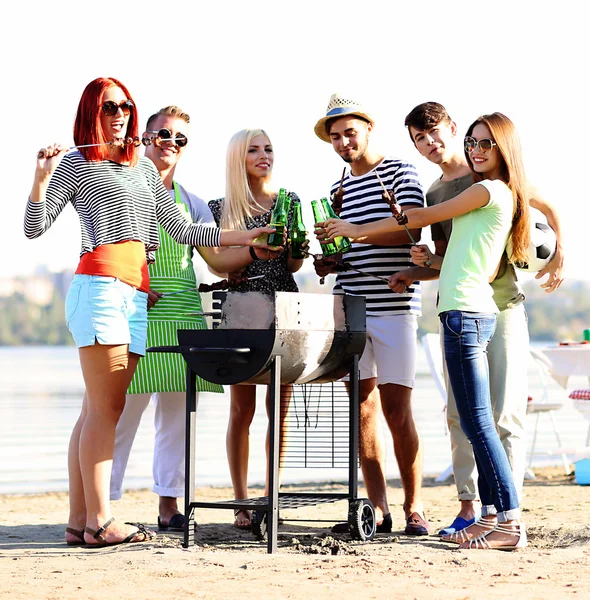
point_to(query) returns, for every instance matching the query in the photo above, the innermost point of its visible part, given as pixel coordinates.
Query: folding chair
(544, 405)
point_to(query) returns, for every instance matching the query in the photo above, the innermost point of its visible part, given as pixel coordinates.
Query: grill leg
(273, 455)
(189, 458)
(354, 410)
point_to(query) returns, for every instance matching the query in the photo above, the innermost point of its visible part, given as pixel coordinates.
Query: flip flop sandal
(144, 535)
(176, 523)
(78, 534)
(243, 511)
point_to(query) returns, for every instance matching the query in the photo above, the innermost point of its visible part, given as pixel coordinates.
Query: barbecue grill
(281, 338)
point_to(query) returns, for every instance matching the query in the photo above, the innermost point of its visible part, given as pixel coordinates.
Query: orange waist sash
(124, 260)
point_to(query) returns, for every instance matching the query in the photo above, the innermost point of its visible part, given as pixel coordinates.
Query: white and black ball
(542, 245)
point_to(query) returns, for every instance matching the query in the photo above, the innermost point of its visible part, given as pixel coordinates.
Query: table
(566, 361)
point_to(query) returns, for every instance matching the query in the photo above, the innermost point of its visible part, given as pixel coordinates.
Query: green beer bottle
(278, 219)
(342, 243)
(319, 217)
(298, 233)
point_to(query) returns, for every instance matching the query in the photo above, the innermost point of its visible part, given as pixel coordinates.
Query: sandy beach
(226, 562)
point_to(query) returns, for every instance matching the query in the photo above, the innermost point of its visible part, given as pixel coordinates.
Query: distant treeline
(561, 315)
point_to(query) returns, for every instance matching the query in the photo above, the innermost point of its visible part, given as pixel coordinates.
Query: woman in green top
(484, 217)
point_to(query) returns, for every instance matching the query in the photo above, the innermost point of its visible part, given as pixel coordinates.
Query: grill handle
(181, 349)
(219, 350)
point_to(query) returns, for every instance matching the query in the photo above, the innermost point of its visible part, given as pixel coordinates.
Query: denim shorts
(107, 311)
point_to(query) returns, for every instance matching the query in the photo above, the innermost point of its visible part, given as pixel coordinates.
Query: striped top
(115, 203)
(363, 203)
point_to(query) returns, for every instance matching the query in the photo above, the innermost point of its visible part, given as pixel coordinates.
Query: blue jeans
(108, 311)
(466, 336)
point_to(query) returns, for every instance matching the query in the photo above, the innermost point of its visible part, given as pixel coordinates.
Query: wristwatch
(253, 254)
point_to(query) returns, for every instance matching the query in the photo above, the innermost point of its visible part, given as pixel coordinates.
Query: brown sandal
(141, 535)
(78, 534)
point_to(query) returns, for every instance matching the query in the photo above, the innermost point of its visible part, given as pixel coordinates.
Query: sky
(235, 64)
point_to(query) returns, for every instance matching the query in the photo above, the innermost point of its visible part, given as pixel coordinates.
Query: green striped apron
(172, 271)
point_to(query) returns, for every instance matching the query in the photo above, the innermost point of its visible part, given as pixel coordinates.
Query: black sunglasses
(110, 108)
(485, 145)
(165, 135)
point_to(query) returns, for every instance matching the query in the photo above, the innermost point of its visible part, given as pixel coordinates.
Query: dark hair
(328, 124)
(87, 129)
(168, 111)
(426, 116)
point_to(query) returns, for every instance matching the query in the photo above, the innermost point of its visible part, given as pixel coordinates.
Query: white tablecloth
(567, 361)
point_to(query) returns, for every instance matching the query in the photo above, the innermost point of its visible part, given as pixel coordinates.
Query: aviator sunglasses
(484, 145)
(110, 108)
(165, 135)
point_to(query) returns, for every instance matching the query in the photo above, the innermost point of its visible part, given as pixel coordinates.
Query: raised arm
(49, 194)
(555, 267)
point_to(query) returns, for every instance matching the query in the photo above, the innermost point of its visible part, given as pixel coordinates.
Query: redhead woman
(485, 216)
(120, 199)
(249, 199)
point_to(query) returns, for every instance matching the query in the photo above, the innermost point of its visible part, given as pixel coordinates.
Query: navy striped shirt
(115, 203)
(363, 203)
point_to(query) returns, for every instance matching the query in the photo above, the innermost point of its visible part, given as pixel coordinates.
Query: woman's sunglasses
(110, 108)
(484, 145)
(165, 135)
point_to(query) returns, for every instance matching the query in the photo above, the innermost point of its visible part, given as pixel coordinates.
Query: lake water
(41, 392)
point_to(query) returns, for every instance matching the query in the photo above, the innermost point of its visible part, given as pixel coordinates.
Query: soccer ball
(542, 245)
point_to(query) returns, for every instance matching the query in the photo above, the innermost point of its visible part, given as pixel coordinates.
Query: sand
(226, 562)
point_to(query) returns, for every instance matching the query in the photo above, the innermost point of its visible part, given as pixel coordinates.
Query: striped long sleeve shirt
(115, 203)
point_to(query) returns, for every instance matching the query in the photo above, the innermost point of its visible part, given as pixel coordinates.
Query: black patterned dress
(277, 277)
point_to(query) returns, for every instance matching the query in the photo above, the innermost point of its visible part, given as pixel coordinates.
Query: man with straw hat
(387, 367)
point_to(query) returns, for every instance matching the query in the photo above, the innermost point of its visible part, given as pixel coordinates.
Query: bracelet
(253, 254)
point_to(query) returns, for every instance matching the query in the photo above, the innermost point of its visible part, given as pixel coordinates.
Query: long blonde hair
(239, 202)
(512, 174)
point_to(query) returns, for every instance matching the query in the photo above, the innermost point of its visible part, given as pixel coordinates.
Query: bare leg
(396, 401)
(107, 372)
(372, 453)
(77, 516)
(242, 408)
(285, 400)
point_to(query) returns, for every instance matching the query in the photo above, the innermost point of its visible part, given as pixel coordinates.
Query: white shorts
(390, 351)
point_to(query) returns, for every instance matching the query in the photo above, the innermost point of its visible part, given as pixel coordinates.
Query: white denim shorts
(107, 311)
(390, 351)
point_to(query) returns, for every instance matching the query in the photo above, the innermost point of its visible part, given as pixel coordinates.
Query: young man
(436, 137)
(387, 367)
(162, 376)
(159, 376)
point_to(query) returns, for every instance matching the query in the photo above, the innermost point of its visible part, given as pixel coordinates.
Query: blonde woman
(249, 199)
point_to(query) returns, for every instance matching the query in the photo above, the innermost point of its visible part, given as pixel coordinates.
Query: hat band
(340, 111)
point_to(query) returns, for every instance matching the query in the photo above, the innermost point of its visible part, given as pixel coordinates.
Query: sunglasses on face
(110, 108)
(165, 135)
(484, 145)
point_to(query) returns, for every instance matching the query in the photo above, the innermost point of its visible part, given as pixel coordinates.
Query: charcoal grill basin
(297, 345)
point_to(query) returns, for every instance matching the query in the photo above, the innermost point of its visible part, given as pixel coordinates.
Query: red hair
(87, 128)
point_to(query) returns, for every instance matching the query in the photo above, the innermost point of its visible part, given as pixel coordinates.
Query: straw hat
(340, 107)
